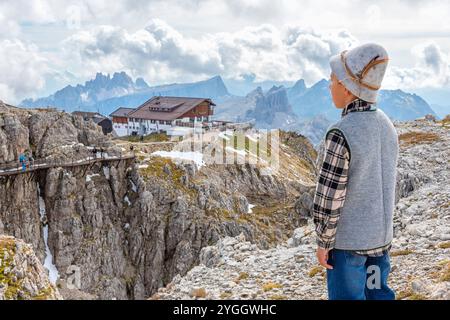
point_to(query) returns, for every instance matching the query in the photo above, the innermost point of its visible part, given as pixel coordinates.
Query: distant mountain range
(306, 110)
(88, 96)
(397, 104)
(104, 93)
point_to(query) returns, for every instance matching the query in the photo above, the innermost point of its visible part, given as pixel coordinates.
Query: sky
(47, 44)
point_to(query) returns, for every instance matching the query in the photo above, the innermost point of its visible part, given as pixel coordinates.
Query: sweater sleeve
(331, 188)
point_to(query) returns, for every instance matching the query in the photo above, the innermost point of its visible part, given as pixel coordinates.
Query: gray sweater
(366, 217)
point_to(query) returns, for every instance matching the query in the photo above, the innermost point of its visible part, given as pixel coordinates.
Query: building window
(152, 121)
(168, 122)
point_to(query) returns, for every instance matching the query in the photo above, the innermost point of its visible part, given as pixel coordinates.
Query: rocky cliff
(236, 269)
(22, 275)
(272, 110)
(126, 228)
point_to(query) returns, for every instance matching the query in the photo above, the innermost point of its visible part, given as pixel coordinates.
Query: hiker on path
(23, 161)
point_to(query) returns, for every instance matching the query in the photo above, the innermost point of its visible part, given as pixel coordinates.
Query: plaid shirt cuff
(325, 244)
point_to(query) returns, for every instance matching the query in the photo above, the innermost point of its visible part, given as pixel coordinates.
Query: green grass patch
(153, 137)
(270, 286)
(418, 137)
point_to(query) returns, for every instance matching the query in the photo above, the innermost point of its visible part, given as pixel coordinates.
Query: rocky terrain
(126, 228)
(22, 275)
(156, 226)
(236, 268)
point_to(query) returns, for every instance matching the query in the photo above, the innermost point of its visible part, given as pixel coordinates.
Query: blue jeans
(357, 277)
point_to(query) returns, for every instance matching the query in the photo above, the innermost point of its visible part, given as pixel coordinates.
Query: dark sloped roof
(170, 108)
(87, 114)
(121, 112)
(98, 120)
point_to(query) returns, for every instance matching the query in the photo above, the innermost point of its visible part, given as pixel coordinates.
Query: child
(355, 193)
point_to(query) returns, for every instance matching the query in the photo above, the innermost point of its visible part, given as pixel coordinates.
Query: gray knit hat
(361, 70)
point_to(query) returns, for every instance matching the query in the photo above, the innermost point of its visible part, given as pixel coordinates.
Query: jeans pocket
(354, 259)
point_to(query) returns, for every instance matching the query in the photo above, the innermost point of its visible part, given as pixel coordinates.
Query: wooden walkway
(14, 168)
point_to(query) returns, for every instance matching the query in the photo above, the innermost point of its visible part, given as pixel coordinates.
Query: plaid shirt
(332, 184)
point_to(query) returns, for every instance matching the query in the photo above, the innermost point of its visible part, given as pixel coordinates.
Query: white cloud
(265, 51)
(36, 11)
(193, 39)
(161, 54)
(432, 70)
(312, 50)
(8, 27)
(22, 70)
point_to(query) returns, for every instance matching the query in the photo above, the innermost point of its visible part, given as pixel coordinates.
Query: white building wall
(120, 129)
(146, 127)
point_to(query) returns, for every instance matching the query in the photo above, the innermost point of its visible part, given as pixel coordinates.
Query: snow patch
(48, 261)
(106, 172)
(250, 207)
(196, 157)
(133, 186)
(90, 176)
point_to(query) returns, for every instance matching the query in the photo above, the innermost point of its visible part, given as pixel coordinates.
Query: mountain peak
(216, 78)
(299, 86)
(140, 83)
(322, 82)
(121, 80)
(258, 92)
(121, 75)
(99, 76)
(219, 85)
(320, 85)
(275, 89)
(297, 90)
(100, 80)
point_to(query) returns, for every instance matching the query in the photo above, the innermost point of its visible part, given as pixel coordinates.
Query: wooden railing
(13, 168)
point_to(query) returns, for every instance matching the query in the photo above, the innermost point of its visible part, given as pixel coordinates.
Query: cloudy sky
(47, 44)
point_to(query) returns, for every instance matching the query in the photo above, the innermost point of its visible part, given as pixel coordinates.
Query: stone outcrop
(22, 275)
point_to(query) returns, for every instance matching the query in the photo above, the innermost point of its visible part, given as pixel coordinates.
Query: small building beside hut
(120, 121)
(104, 122)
